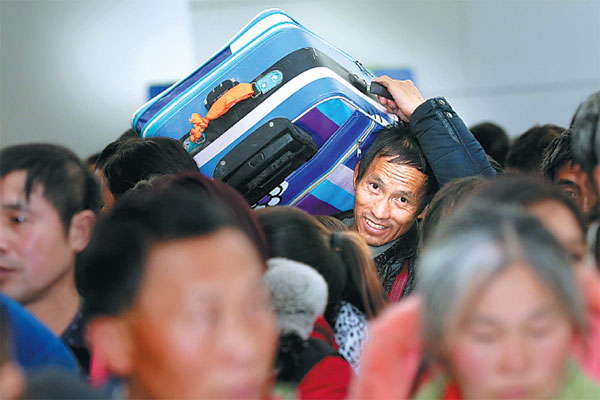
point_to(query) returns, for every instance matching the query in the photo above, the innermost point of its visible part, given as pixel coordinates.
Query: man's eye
(18, 219)
(571, 193)
(403, 199)
(375, 186)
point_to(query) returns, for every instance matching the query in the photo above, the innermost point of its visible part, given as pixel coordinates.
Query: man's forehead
(13, 188)
(386, 167)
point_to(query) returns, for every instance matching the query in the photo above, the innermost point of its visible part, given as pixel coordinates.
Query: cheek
(362, 196)
(472, 363)
(551, 353)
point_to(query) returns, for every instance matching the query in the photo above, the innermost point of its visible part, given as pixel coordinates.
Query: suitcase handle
(230, 98)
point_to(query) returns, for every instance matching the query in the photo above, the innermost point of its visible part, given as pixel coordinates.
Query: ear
(423, 213)
(596, 173)
(80, 229)
(354, 182)
(110, 342)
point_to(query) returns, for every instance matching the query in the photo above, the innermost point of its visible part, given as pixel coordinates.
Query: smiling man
(399, 174)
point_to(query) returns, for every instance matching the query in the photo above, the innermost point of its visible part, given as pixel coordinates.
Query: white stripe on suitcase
(263, 109)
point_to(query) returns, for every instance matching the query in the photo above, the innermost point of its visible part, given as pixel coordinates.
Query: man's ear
(596, 173)
(111, 344)
(80, 229)
(423, 213)
(354, 182)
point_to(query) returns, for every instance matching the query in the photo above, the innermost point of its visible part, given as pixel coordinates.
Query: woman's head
(501, 306)
(341, 258)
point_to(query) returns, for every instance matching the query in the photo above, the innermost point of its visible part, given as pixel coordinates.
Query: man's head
(526, 152)
(586, 137)
(125, 162)
(493, 139)
(393, 184)
(559, 169)
(176, 301)
(48, 201)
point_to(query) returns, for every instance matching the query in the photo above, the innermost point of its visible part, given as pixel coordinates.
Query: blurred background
(73, 72)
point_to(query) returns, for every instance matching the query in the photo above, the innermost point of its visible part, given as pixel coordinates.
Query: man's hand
(406, 97)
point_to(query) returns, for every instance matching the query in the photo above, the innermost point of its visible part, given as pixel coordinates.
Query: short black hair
(557, 154)
(586, 134)
(493, 139)
(68, 184)
(136, 159)
(526, 152)
(108, 272)
(398, 142)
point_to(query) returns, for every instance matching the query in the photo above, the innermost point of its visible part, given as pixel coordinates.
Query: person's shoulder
(35, 345)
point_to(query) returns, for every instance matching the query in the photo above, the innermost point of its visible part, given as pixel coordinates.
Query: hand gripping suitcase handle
(230, 98)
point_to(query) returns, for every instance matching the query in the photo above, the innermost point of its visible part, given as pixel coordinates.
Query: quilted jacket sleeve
(451, 149)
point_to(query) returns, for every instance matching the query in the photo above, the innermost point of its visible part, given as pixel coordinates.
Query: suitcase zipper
(355, 147)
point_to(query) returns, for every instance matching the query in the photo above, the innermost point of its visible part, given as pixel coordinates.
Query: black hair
(134, 159)
(557, 154)
(397, 142)
(445, 202)
(586, 134)
(493, 139)
(68, 184)
(92, 159)
(294, 234)
(495, 165)
(526, 152)
(525, 191)
(200, 185)
(108, 272)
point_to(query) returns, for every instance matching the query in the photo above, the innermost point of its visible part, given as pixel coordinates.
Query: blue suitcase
(294, 136)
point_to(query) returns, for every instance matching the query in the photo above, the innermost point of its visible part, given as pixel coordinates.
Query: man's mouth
(374, 225)
(5, 271)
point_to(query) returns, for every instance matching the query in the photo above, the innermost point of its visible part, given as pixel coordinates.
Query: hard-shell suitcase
(287, 116)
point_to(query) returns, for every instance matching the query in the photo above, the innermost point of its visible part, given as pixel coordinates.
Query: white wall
(517, 63)
(73, 72)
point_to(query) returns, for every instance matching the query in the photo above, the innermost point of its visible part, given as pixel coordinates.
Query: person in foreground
(176, 301)
(500, 316)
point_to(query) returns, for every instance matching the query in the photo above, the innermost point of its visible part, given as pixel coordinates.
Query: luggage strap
(399, 283)
(230, 98)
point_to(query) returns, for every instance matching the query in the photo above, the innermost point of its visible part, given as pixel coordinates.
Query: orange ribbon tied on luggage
(230, 98)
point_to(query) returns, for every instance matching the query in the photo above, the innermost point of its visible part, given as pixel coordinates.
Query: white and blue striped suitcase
(297, 139)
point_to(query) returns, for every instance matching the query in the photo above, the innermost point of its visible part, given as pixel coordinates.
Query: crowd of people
(466, 269)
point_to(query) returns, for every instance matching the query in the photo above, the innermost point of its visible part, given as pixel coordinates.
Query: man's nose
(380, 208)
(237, 343)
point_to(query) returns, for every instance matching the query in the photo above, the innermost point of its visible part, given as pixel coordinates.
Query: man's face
(202, 326)
(35, 255)
(387, 200)
(572, 180)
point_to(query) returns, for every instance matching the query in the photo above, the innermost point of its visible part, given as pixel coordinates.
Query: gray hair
(476, 245)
